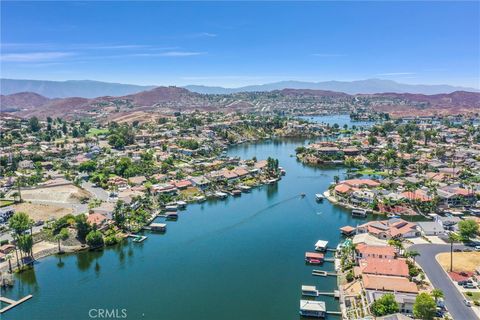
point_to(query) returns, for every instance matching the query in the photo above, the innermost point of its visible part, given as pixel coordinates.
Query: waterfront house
(405, 303)
(364, 251)
(388, 229)
(382, 267)
(200, 182)
(182, 184)
(389, 284)
(97, 219)
(430, 228)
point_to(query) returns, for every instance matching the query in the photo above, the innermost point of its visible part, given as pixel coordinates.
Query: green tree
(95, 239)
(437, 294)
(34, 124)
(424, 307)
(61, 236)
(83, 228)
(384, 305)
(25, 243)
(87, 166)
(467, 229)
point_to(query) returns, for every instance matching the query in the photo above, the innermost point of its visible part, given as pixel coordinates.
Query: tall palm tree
(453, 237)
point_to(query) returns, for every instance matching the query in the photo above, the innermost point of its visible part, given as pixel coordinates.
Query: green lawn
(474, 296)
(95, 132)
(4, 203)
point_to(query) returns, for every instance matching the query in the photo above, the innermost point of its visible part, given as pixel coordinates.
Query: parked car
(469, 285)
(39, 223)
(477, 248)
(457, 250)
(467, 303)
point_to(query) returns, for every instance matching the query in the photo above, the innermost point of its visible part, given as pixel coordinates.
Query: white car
(477, 248)
(467, 303)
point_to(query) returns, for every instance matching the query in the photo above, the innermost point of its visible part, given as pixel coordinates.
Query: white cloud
(170, 54)
(328, 55)
(396, 74)
(34, 56)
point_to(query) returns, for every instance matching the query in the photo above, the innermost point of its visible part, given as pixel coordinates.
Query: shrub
(111, 240)
(95, 239)
(350, 276)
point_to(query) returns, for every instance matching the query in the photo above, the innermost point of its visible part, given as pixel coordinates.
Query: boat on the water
(221, 195)
(319, 197)
(245, 188)
(173, 215)
(171, 208)
(200, 198)
(181, 204)
(315, 309)
(309, 291)
(236, 193)
(359, 212)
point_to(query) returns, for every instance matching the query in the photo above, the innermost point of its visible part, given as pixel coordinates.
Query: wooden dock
(12, 303)
(338, 313)
(321, 273)
(335, 294)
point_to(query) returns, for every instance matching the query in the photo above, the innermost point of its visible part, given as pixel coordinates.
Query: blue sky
(240, 43)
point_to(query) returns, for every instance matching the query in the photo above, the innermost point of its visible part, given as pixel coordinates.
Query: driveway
(440, 279)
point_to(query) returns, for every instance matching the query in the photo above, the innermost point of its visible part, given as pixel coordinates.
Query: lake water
(241, 258)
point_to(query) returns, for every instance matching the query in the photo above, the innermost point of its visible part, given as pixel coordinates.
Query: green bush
(111, 240)
(350, 276)
(95, 239)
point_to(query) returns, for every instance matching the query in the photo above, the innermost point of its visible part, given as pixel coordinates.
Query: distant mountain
(70, 88)
(92, 89)
(22, 100)
(171, 99)
(369, 86)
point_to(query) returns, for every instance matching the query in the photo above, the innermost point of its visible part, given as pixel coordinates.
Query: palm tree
(437, 294)
(61, 236)
(453, 237)
(413, 254)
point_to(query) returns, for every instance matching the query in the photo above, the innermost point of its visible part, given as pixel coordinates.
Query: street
(440, 279)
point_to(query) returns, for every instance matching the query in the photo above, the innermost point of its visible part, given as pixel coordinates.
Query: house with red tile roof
(365, 251)
(391, 284)
(96, 219)
(382, 267)
(388, 229)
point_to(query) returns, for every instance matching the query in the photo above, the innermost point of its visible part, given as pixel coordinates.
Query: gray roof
(430, 226)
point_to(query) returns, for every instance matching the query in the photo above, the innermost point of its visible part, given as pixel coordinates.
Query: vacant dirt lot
(462, 261)
(42, 211)
(62, 194)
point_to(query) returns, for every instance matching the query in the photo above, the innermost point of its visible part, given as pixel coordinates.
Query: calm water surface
(242, 258)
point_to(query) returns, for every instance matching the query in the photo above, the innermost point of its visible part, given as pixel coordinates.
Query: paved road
(440, 279)
(99, 193)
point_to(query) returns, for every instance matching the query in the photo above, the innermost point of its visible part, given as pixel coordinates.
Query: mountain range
(92, 89)
(172, 99)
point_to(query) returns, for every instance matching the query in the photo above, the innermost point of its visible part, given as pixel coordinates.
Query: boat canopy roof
(309, 305)
(309, 288)
(321, 243)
